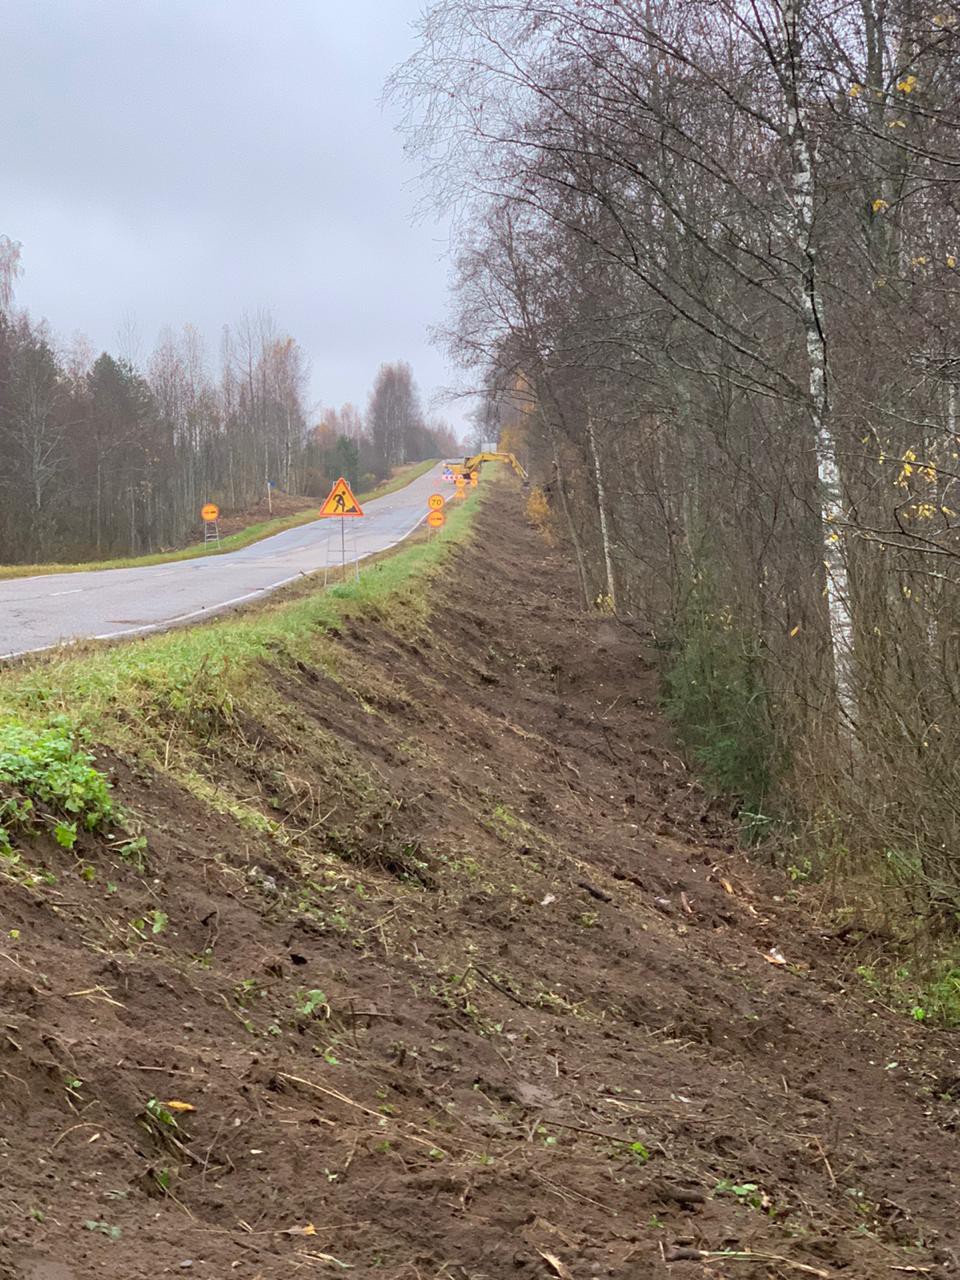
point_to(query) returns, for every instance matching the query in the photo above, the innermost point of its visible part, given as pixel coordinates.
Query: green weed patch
(47, 774)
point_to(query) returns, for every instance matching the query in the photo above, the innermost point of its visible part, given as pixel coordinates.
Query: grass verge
(193, 676)
(235, 542)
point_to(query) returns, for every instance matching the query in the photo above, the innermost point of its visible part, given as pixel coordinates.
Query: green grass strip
(236, 541)
(177, 673)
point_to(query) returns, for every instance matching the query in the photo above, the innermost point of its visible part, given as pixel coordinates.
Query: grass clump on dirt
(234, 542)
(927, 992)
(47, 770)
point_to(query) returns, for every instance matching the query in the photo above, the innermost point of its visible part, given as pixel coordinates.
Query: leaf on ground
(176, 1105)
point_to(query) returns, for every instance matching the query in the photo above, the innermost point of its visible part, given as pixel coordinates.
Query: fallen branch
(96, 993)
(358, 1106)
(601, 895)
(499, 986)
(731, 1255)
(327, 1259)
(83, 1125)
(579, 1128)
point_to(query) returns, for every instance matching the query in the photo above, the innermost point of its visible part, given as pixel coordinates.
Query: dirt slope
(498, 998)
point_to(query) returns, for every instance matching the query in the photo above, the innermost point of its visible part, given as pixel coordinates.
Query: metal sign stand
(356, 555)
(211, 532)
(343, 552)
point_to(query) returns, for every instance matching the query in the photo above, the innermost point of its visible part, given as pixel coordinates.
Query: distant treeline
(100, 456)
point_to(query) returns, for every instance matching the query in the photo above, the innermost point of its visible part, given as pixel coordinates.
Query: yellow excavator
(476, 461)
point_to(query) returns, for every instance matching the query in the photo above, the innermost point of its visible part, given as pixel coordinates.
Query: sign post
(436, 517)
(341, 502)
(210, 515)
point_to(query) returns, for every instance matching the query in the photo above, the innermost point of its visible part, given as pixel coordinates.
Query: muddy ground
(498, 997)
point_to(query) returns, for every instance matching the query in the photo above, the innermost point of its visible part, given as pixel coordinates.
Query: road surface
(41, 612)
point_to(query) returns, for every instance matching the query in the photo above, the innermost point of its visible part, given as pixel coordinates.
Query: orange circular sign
(460, 481)
(435, 501)
(435, 519)
(210, 512)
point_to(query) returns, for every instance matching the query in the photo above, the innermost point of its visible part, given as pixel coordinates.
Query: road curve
(105, 604)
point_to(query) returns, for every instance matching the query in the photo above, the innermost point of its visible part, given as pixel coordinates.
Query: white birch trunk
(812, 312)
(602, 508)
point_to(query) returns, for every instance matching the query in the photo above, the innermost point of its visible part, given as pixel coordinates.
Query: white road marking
(39, 648)
(182, 617)
(75, 592)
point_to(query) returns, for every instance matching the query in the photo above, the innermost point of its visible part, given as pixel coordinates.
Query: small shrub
(714, 693)
(540, 514)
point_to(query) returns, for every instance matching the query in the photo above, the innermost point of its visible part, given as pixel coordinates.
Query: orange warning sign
(209, 512)
(474, 479)
(340, 501)
(459, 480)
(435, 501)
(435, 519)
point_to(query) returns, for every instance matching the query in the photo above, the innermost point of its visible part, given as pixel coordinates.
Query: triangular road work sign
(340, 501)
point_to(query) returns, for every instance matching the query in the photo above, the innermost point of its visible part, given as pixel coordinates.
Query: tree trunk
(840, 620)
(571, 529)
(602, 510)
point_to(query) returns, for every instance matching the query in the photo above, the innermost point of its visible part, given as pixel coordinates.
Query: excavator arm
(476, 461)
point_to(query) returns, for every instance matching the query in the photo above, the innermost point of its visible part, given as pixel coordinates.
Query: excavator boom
(476, 461)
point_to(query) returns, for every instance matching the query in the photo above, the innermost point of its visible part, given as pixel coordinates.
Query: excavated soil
(499, 997)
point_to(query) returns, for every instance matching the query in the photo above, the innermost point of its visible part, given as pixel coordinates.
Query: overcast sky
(186, 160)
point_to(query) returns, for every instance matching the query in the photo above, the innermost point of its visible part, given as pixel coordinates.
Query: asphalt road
(38, 613)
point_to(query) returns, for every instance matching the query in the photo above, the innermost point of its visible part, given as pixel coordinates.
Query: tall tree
(394, 416)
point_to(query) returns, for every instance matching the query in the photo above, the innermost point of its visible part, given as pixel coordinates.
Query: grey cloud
(184, 160)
